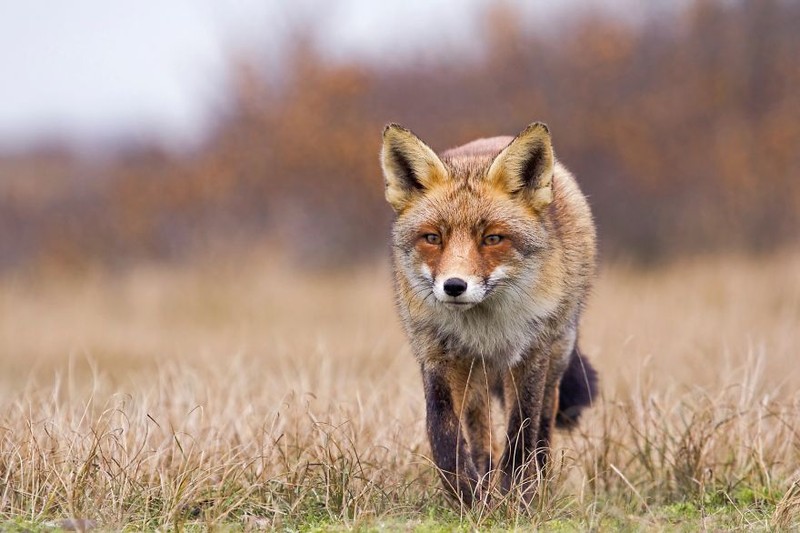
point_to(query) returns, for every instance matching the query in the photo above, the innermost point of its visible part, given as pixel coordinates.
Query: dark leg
(477, 423)
(546, 425)
(446, 438)
(561, 352)
(524, 396)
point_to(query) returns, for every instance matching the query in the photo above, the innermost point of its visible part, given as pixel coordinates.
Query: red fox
(493, 255)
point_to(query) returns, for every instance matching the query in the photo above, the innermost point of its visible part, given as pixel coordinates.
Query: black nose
(455, 286)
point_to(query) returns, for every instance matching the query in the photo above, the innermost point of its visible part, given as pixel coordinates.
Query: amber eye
(432, 238)
(491, 240)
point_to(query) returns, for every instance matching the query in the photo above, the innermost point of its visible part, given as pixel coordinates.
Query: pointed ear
(525, 166)
(409, 166)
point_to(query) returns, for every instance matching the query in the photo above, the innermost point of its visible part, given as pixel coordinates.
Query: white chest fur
(498, 331)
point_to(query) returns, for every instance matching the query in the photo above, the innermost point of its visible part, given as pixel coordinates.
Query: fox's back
(479, 149)
(571, 210)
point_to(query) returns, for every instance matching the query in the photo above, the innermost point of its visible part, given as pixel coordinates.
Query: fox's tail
(577, 390)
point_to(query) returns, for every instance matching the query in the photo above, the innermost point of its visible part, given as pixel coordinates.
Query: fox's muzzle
(455, 287)
(458, 290)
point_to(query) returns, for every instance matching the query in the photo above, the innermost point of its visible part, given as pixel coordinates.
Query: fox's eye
(491, 240)
(432, 238)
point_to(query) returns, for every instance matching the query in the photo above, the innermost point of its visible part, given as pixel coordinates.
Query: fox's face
(468, 228)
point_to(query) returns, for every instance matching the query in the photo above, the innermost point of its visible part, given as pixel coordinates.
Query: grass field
(246, 396)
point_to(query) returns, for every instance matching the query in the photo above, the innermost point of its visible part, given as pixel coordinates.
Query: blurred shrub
(682, 131)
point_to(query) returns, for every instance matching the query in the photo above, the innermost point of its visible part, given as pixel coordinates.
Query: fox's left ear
(525, 166)
(409, 166)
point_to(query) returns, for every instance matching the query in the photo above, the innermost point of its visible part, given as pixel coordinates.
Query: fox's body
(493, 255)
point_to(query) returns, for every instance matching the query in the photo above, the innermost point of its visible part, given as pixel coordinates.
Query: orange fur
(494, 253)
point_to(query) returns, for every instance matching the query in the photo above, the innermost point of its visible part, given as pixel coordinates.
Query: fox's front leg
(559, 356)
(524, 392)
(443, 403)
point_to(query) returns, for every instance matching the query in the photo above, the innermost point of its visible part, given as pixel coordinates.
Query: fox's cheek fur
(482, 270)
(428, 256)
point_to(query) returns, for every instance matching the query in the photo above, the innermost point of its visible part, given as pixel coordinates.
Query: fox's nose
(455, 286)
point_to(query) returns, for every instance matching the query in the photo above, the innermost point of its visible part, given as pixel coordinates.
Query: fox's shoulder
(479, 148)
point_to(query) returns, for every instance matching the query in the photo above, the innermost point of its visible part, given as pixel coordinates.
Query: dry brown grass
(249, 396)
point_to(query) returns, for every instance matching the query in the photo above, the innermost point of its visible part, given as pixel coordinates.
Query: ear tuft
(409, 166)
(525, 166)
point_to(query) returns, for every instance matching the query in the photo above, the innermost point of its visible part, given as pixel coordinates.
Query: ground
(243, 395)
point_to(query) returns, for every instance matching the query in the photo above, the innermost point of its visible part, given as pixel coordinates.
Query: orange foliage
(684, 135)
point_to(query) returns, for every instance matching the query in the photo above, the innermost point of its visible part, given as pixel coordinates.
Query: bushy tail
(578, 390)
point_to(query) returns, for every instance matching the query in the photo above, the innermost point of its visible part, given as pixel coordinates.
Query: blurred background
(166, 131)
(195, 302)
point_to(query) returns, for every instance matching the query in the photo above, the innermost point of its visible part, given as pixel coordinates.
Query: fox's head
(469, 224)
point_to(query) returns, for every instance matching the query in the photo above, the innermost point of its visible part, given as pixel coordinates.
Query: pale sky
(89, 70)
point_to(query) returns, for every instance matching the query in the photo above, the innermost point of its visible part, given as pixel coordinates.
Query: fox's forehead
(467, 205)
(467, 173)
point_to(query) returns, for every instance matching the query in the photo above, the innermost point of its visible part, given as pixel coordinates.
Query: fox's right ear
(409, 166)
